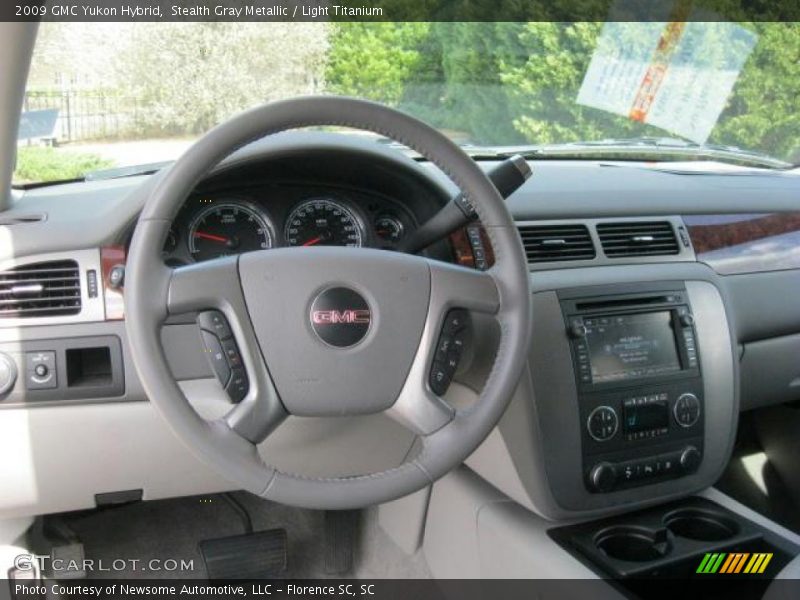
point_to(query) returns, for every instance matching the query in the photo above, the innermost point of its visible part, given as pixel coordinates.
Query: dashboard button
(40, 370)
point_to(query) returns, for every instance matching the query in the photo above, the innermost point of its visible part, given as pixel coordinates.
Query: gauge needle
(313, 241)
(211, 236)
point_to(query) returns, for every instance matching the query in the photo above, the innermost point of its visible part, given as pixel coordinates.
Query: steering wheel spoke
(215, 285)
(419, 407)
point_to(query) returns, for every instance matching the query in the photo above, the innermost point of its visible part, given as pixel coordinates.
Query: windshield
(106, 95)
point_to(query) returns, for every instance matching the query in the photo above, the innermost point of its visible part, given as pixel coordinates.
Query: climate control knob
(690, 459)
(603, 477)
(8, 373)
(602, 423)
(686, 410)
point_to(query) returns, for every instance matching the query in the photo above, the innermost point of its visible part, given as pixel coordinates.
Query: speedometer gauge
(323, 222)
(228, 227)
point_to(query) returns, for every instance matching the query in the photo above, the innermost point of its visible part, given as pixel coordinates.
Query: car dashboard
(652, 293)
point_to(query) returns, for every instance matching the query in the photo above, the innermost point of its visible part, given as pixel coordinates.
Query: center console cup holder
(701, 525)
(634, 544)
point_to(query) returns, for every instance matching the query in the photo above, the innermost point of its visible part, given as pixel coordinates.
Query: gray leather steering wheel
(269, 298)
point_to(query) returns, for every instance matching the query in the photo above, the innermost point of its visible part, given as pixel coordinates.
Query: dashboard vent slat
(652, 238)
(45, 289)
(549, 243)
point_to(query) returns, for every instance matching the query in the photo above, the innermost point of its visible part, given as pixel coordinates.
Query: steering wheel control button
(232, 353)
(8, 373)
(214, 322)
(40, 370)
(444, 347)
(686, 410)
(217, 358)
(440, 378)
(340, 317)
(449, 348)
(602, 423)
(455, 321)
(238, 385)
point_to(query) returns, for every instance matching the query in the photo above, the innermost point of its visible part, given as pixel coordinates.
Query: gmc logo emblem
(332, 317)
(340, 317)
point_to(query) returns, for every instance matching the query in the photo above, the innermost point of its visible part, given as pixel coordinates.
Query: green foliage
(40, 163)
(188, 77)
(504, 83)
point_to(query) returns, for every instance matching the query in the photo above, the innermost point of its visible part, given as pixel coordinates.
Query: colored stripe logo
(734, 562)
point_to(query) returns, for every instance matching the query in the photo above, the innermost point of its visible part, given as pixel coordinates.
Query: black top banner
(398, 10)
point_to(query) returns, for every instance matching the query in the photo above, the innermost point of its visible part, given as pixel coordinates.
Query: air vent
(46, 289)
(637, 238)
(548, 243)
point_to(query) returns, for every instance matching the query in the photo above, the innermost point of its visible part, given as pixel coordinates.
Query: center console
(631, 396)
(640, 389)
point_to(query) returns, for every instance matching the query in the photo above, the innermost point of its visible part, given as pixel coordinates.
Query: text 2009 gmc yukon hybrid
(385, 303)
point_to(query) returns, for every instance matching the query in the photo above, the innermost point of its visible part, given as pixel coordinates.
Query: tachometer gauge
(229, 227)
(323, 222)
(389, 228)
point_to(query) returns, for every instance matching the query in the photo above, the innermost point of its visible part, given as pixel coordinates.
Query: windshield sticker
(674, 75)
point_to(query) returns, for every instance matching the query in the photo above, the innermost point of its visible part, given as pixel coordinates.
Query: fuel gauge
(389, 228)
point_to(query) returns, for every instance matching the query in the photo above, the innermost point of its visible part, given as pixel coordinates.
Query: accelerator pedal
(341, 529)
(259, 555)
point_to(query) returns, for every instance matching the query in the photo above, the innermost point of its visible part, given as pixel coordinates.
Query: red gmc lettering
(330, 317)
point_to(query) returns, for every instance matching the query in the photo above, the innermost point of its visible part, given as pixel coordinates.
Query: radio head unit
(639, 384)
(631, 338)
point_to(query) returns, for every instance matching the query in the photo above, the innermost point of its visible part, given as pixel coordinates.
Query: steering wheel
(328, 331)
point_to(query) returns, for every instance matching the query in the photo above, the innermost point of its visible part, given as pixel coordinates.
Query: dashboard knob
(686, 410)
(690, 459)
(687, 319)
(603, 477)
(577, 330)
(8, 373)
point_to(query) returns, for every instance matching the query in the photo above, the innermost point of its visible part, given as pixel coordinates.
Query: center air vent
(45, 289)
(637, 238)
(547, 243)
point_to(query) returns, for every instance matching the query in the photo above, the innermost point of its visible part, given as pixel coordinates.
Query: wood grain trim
(746, 243)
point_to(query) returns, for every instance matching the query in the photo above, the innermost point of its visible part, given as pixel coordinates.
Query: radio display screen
(623, 347)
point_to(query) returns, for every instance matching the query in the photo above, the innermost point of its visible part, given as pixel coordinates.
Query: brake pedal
(340, 539)
(259, 555)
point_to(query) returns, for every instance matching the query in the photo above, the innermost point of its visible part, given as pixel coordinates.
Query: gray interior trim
(765, 304)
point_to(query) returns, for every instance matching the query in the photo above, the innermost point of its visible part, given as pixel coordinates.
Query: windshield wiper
(646, 148)
(132, 171)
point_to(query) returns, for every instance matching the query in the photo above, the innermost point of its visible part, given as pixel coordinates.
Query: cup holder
(634, 544)
(701, 525)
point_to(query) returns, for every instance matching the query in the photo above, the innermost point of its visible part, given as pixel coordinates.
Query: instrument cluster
(224, 223)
